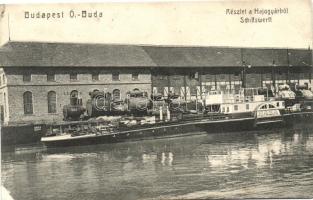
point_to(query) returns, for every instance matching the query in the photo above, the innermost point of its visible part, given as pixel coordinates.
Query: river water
(259, 164)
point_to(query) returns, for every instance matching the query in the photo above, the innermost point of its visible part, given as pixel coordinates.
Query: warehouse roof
(102, 55)
(59, 54)
(194, 56)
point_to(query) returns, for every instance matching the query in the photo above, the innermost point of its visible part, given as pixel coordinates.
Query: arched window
(74, 97)
(116, 94)
(52, 102)
(28, 102)
(271, 106)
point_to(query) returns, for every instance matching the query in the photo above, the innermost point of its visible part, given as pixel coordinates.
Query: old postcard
(157, 100)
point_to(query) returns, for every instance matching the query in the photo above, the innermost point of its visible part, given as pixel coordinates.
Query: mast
(9, 27)
(288, 63)
(273, 72)
(243, 64)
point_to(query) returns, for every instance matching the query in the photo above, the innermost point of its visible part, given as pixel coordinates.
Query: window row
(28, 102)
(73, 77)
(52, 100)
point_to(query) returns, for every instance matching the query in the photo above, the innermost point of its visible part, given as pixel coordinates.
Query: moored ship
(222, 112)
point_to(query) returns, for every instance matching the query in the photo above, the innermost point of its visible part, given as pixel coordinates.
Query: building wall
(4, 105)
(39, 86)
(84, 76)
(159, 82)
(254, 77)
(179, 81)
(189, 83)
(192, 81)
(225, 79)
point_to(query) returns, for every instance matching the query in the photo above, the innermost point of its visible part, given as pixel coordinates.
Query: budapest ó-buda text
(62, 14)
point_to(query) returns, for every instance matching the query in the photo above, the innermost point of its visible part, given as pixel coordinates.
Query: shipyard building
(38, 79)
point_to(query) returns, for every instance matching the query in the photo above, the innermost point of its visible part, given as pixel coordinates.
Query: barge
(20, 134)
(107, 133)
(223, 112)
(103, 132)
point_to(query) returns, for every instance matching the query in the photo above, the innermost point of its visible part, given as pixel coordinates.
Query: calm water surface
(264, 164)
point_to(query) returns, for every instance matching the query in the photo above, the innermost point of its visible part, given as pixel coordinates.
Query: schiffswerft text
(256, 15)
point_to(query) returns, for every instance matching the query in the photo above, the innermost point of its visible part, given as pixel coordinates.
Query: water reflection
(276, 163)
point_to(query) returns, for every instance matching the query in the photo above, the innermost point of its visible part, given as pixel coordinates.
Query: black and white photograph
(157, 100)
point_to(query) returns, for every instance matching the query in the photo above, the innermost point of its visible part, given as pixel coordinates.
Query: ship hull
(179, 129)
(153, 132)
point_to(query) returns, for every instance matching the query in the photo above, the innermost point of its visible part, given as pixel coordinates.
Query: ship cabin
(247, 102)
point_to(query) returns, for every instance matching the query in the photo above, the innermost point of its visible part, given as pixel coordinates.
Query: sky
(204, 23)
